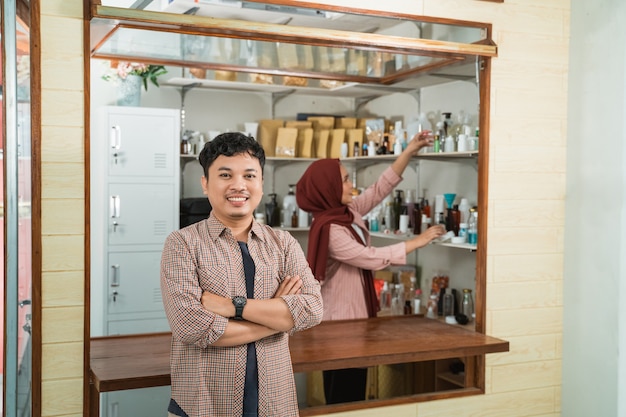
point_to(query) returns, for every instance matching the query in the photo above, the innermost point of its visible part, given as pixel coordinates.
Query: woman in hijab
(339, 250)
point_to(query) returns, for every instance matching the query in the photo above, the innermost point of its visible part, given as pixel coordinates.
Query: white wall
(594, 369)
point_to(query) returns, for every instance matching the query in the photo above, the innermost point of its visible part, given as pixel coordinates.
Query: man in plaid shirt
(233, 291)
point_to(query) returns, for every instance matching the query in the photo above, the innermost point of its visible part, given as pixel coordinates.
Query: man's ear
(204, 183)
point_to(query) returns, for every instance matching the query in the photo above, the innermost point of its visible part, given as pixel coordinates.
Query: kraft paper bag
(305, 143)
(337, 137)
(321, 139)
(345, 123)
(286, 142)
(355, 136)
(267, 134)
(323, 122)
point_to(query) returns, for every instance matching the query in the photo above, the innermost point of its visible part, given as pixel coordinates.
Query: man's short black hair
(229, 144)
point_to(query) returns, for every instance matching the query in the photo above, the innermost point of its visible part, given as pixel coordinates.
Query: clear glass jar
(467, 304)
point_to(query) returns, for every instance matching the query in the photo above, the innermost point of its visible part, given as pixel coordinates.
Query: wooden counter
(142, 361)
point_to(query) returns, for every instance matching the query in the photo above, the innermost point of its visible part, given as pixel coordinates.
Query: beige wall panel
(64, 288)
(516, 240)
(62, 397)
(516, 377)
(547, 5)
(519, 295)
(514, 404)
(62, 108)
(537, 131)
(62, 181)
(521, 158)
(57, 69)
(526, 186)
(62, 38)
(529, 104)
(68, 215)
(63, 253)
(530, 213)
(526, 349)
(65, 8)
(549, 78)
(526, 322)
(531, 47)
(526, 18)
(539, 268)
(60, 361)
(63, 144)
(62, 324)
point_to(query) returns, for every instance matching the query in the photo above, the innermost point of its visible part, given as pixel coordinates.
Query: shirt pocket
(267, 278)
(221, 280)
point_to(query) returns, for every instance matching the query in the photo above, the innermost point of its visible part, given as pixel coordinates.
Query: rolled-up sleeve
(306, 308)
(345, 248)
(189, 321)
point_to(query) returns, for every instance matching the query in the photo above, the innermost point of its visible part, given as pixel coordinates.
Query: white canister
(404, 223)
(344, 150)
(449, 145)
(371, 148)
(461, 145)
(303, 218)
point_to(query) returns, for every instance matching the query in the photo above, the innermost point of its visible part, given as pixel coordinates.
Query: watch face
(239, 301)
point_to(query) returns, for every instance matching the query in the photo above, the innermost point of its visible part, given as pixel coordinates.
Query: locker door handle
(115, 277)
(114, 206)
(115, 137)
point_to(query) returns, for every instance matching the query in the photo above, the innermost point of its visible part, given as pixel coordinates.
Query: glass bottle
(467, 304)
(448, 303)
(398, 203)
(355, 190)
(431, 311)
(272, 212)
(385, 298)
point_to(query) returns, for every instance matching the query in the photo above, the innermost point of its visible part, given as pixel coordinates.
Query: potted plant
(129, 76)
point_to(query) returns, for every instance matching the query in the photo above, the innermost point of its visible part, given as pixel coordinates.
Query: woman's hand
(425, 237)
(419, 141)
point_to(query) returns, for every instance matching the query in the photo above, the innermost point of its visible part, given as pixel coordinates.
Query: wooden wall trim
(87, 164)
(36, 227)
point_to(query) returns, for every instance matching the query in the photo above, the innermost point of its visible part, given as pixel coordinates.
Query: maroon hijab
(319, 192)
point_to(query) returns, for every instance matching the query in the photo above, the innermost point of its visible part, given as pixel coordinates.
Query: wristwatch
(239, 303)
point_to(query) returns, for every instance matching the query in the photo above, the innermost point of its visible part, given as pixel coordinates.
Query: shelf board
(347, 89)
(456, 379)
(407, 236)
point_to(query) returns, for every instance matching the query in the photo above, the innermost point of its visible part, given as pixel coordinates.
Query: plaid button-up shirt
(208, 381)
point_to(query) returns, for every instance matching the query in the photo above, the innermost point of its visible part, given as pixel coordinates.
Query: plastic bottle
(289, 206)
(472, 227)
(464, 210)
(397, 147)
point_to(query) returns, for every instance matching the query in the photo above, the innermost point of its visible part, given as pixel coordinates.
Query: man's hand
(289, 286)
(217, 304)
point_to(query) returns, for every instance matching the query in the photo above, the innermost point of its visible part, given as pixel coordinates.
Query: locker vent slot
(156, 295)
(160, 161)
(160, 227)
